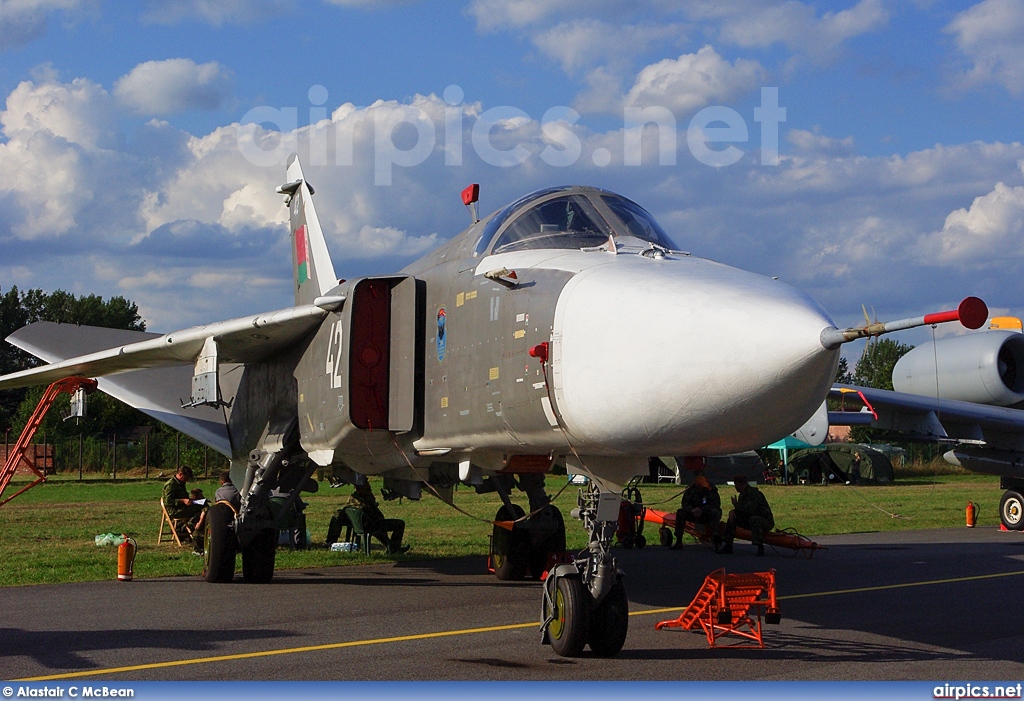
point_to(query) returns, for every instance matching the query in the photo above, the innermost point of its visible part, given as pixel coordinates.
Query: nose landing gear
(585, 602)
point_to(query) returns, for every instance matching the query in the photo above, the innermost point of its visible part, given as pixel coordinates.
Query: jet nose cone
(689, 357)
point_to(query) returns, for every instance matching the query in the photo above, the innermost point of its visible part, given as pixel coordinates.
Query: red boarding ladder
(17, 453)
(724, 604)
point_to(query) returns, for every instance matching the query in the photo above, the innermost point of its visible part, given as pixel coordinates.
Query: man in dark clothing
(227, 491)
(180, 506)
(701, 505)
(855, 469)
(750, 511)
(373, 518)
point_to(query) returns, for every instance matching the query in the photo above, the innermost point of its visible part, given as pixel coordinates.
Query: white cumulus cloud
(22, 21)
(493, 15)
(796, 25)
(582, 43)
(991, 37)
(692, 81)
(991, 228)
(173, 85)
(192, 230)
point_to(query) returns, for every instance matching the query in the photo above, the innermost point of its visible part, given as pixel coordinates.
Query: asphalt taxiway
(935, 605)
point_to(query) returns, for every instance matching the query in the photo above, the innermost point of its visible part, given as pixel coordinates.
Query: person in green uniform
(373, 518)
(700, 505)
(751, 511)
(180, 505)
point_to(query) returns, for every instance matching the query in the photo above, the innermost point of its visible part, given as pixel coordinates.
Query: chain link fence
(142, 454)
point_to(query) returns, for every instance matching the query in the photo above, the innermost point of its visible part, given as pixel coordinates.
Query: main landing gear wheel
(509, 549)
(552, 542)
(1011, 510)
(258, 557)
(221, 545)
(609, 623)
(570, 617)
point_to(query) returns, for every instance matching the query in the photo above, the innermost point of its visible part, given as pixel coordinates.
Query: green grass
(46, 534)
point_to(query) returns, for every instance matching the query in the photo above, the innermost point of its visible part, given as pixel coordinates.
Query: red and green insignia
(302, 254)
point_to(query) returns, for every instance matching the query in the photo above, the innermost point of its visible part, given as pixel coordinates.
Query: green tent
(785, 446)
(833, 461)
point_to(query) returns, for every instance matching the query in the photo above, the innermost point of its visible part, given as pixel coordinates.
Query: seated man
(179, 504)
(373, 518)
(227, 491)
(750, 511)
(700, 505)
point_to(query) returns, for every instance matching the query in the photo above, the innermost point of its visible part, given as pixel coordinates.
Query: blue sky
(123, 170)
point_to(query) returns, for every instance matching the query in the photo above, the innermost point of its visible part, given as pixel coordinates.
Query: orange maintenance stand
(17, 453)
(731, 604)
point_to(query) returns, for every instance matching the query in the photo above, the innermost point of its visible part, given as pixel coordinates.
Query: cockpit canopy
(572, 218)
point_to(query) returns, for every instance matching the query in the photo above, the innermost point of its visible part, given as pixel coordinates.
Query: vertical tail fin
(311, 262)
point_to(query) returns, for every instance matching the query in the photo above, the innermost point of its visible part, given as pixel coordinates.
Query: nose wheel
(567, 612)
(1011, 510)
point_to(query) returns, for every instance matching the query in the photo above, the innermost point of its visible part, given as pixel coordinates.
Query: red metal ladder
(723, 606)
(17, 452)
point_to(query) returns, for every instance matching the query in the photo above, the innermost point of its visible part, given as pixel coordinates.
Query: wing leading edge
(929, 418)
(244, 340)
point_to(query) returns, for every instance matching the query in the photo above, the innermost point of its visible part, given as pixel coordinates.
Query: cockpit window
(639, 223)
(564, 222)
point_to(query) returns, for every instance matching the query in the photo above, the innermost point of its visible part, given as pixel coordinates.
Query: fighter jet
(966, 391)
(566, 328)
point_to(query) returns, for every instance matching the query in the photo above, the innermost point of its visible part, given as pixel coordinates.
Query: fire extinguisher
(972, 515)
(126, 559)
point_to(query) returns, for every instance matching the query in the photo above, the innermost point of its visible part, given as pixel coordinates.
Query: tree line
(88, 440)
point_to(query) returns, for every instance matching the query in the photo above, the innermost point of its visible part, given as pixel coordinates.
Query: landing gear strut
(585, 603)
(253, 530)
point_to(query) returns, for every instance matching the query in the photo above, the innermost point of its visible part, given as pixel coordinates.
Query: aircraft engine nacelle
(986, 368)
(358, 373)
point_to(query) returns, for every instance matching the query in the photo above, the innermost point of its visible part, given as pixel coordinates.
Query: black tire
(665, 536)
(609, 623)
(221, 545)
(1011, 510)
(509, 549)
(568, 629)
(554, 542)
(640, 541)
(258, 558)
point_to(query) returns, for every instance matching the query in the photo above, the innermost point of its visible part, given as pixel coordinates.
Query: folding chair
(359, 532)
(172, 525)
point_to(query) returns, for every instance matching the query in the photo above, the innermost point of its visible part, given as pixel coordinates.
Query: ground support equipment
(778, 539)
(630, 532)
(731, 604)
(17, 451)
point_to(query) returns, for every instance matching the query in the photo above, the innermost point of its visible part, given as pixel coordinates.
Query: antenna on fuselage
(469, 198)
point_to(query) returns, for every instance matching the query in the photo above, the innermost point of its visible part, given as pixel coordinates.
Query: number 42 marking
(333, 366)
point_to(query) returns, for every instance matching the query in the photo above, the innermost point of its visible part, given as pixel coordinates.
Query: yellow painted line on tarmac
(837, 592)
(464, 631)
(270, 653)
